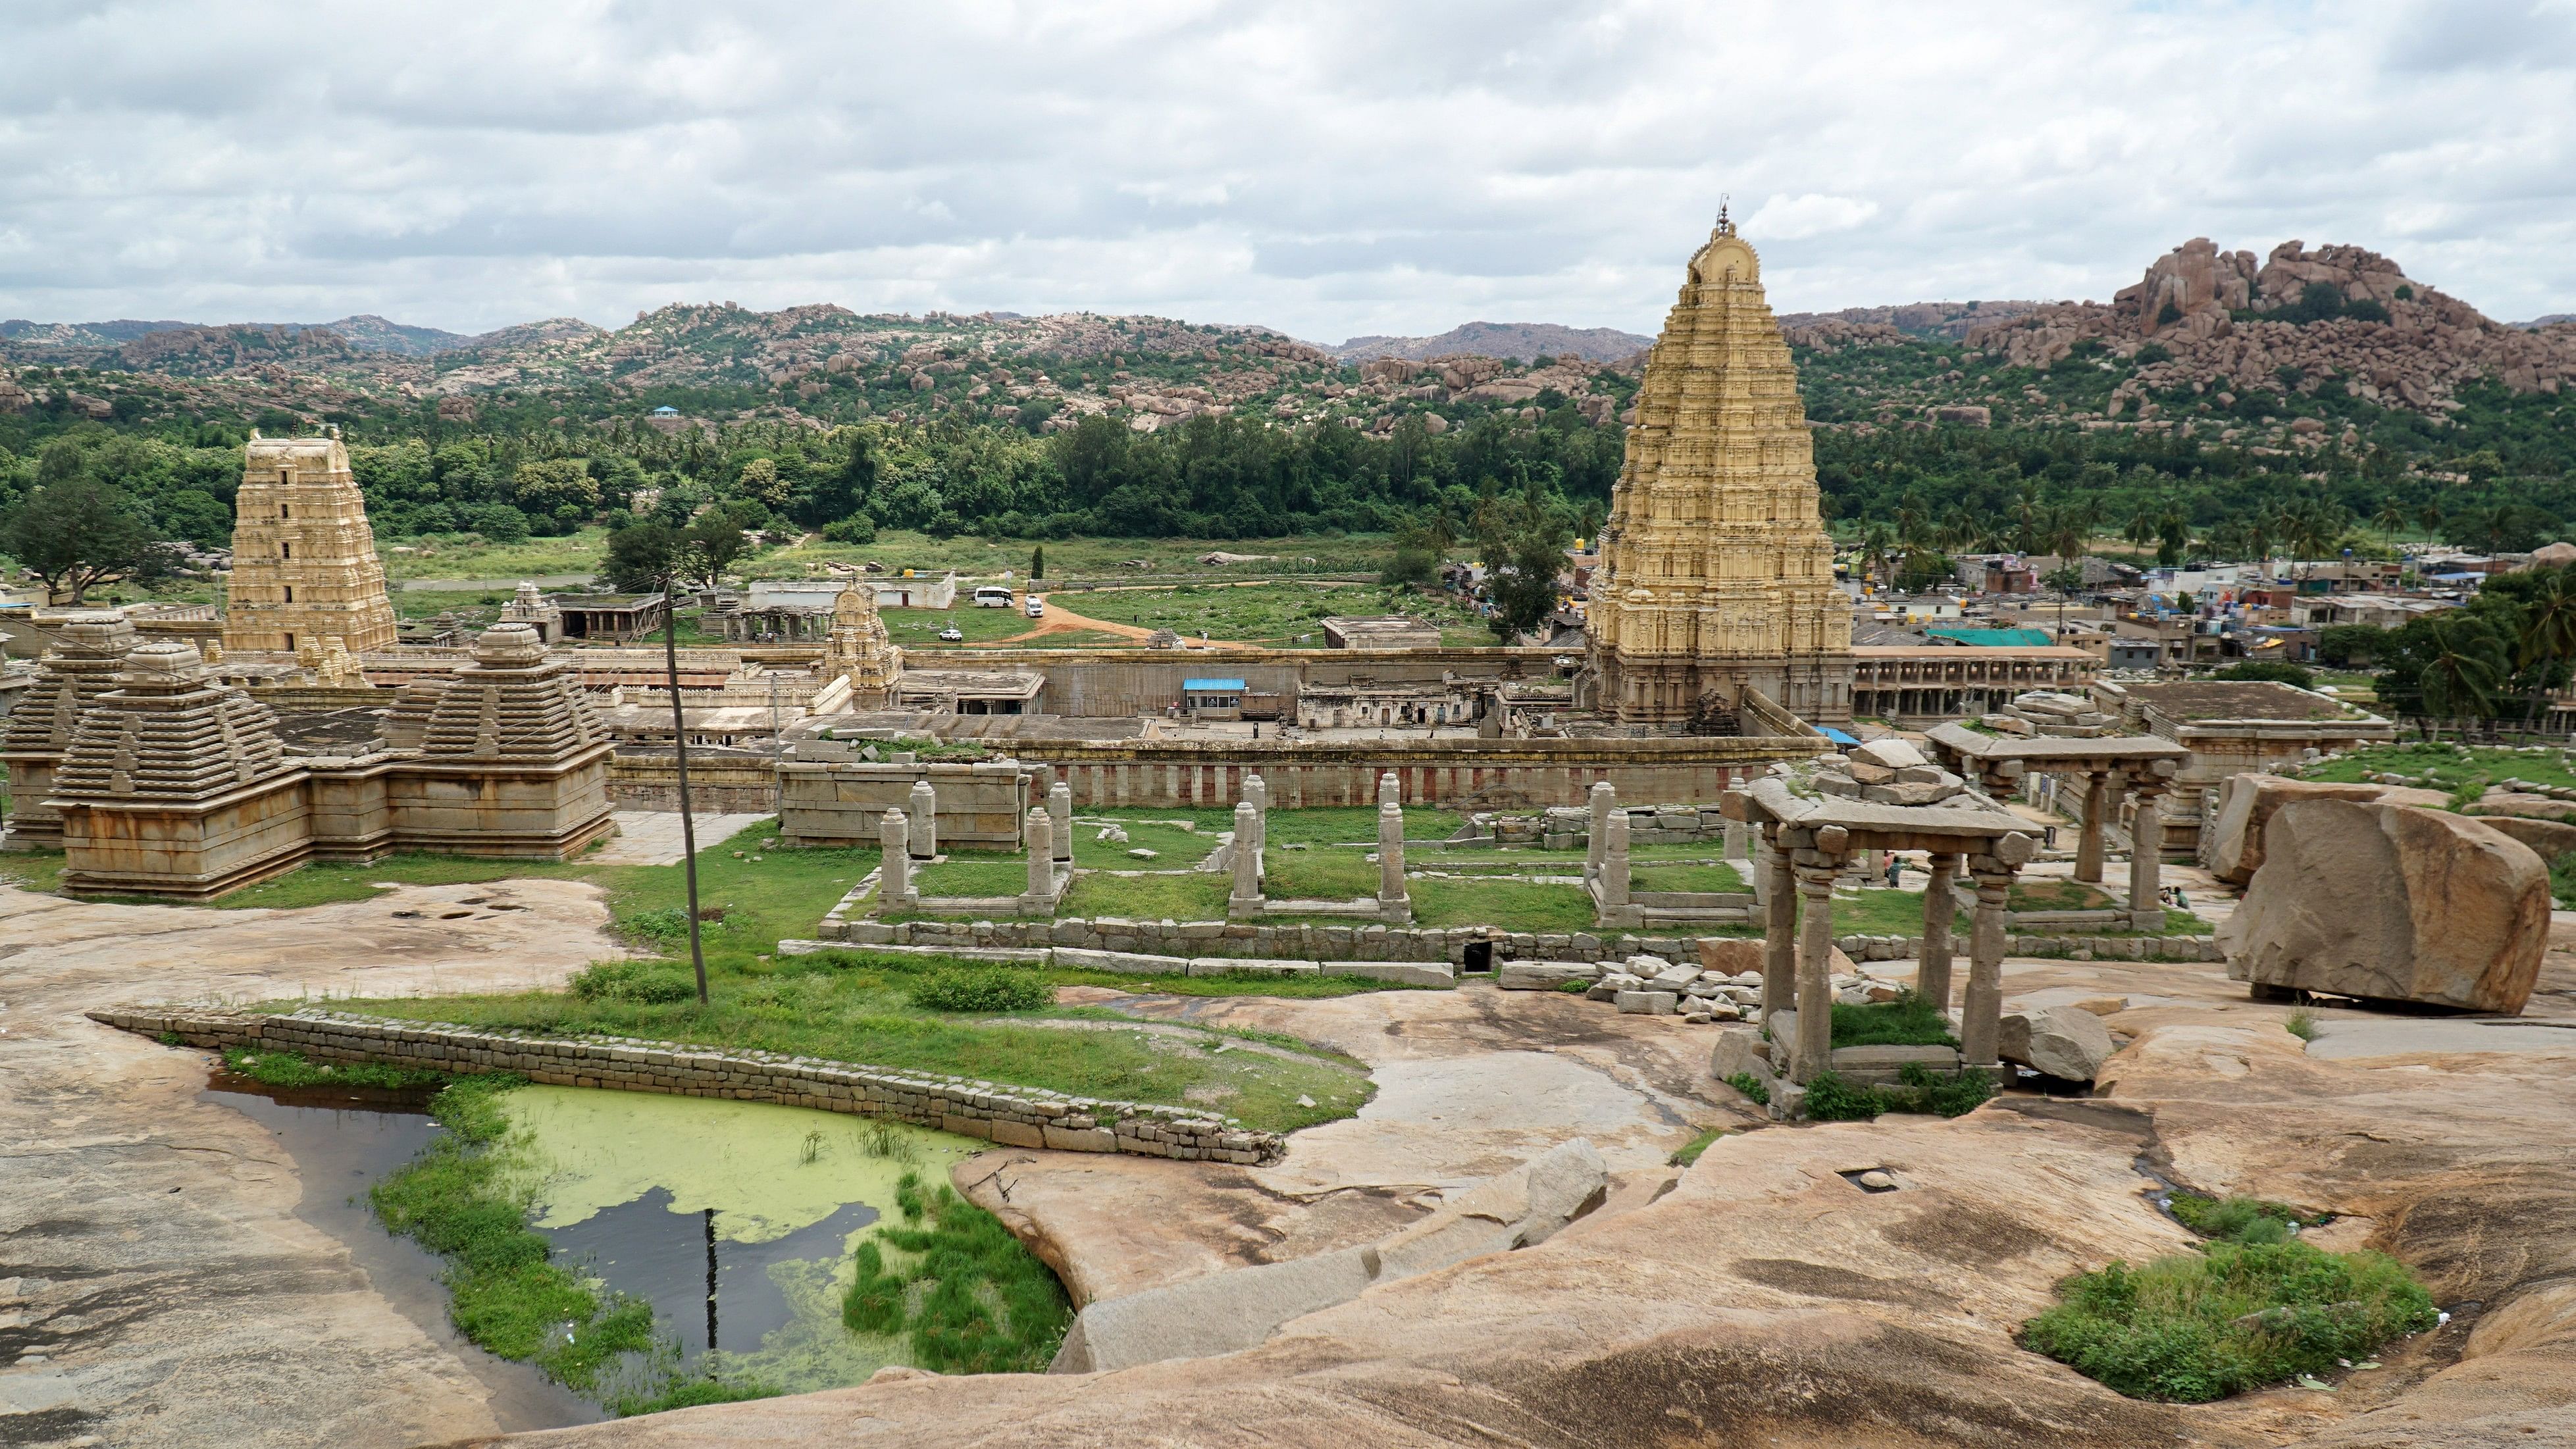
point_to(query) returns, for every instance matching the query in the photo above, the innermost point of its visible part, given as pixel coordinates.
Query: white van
(1036, 607)
(993, 596)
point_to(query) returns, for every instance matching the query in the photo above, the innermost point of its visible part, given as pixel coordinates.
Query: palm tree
(2391, 516)
(2462, 671)
(2548, 631)
(1877, 541)
(2140, 530)
(2430, 516)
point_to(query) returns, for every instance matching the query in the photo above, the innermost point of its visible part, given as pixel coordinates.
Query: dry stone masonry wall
(1012, 1116)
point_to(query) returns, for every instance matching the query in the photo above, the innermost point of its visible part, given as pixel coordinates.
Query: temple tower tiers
(509, 760)
(1716, 572)
(304, 561)
(860, 649)
(81, 665)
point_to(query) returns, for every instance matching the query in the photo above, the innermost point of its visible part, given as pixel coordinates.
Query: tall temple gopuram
(304, 560)
(1716, 572)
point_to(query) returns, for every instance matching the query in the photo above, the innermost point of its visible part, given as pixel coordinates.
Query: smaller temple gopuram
(304, 560)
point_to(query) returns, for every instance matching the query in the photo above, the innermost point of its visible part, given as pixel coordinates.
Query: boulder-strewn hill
(1520, 341)
(370, 333)
(90, 335)
(2295, 322)
(1914, 319)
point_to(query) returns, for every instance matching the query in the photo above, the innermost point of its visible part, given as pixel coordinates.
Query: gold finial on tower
(1724, 226)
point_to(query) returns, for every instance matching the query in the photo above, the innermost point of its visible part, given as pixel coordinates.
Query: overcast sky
(1326, 168)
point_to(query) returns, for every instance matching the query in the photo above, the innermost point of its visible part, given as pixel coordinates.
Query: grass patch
(857, 1006)
(33, 870)
(1832, 1098)
(1174, 848)
(1909, 1020)
(2058, 895)
(2236, 1316)
(2462, 770)
(2301, 1023)
(972, 1299)
(1175, 896)
(1708, 878)
(1509, 904)
(1690, 1151)
(1753, 1088)
(289, 1069)
(1332, 873)
(2562, 880)
(982, 991)
(973, 878)
(2240, 1219)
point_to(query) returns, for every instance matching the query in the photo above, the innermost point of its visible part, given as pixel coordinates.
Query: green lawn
(1285, 615)
(1173, 847)
(1085, 558)
(2455, 768)
(454, 556)
(1177, 896)
(1328, 873)
(973, 877)
(857, 1006)
(1511, 905)
(1684, 878)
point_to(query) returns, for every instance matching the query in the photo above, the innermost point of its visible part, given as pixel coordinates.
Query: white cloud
(1330, 167)
(1795, 218)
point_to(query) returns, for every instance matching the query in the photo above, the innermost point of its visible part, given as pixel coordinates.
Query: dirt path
(157, 1283)
(1061, 620)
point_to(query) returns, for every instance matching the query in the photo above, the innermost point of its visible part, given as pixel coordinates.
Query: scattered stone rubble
(2051, 715)
(1887, 772)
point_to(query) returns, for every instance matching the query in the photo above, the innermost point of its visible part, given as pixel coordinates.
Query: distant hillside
(1917, 319)
(1518, 340)
(368, 332)
(80, 334)
(2552, 320)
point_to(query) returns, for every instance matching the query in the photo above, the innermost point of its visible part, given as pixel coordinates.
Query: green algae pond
(636, 1251)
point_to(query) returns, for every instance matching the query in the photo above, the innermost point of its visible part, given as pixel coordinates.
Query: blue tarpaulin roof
(1837, 736)
(1197, 686)
(1993, 638)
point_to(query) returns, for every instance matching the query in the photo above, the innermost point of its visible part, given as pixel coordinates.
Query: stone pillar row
(1932, 977)
(924, 814)
(1613, 875)
(894, 879)
(1247, 855)
(1040, 827)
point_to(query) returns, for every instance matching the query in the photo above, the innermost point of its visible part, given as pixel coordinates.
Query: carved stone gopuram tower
(860, 648)
(304, 560)
(1716, 572)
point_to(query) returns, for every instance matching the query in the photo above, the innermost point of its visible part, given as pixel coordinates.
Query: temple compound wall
(174, 782)
(304, 560)
(1716, 572)
(1120, 683)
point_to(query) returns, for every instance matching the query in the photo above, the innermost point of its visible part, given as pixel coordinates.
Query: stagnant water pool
(734, 1220)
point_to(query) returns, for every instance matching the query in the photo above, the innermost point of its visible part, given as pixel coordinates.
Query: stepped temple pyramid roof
(304, 561)
(1716, 572)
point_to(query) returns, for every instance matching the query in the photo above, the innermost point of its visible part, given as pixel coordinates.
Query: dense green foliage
(2277, 671)
(1833, 1098)
(1751, 1086)
(1909, 1020)
(2253, 1307)
(973, 1299)
(983, 990)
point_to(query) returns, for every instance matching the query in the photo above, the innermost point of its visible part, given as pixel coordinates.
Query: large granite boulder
(2393, 903)
(2246, 804)
(2063, 1041)
(2548, 839)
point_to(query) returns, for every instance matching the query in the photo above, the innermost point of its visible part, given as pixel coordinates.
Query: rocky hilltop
(2295, 321)
(1519, 341)
(1953, 320)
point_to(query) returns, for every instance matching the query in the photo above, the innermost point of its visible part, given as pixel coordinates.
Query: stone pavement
(652, 837)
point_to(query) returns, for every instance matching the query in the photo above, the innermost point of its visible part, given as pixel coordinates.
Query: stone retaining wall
(1422, 943)
(1012, 1116)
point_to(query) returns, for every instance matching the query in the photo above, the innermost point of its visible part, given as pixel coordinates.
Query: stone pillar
(1614, 862)
(1815, 971)
(1932, 976)
(1603, 802)
(2097, 812)
(1041, 843)
(1059, 804)
(1981, 1015)
(1390, 856)
(925, 820)
(1247, 856)
(2146, 866)
(1736, 848)
(1256, 793)
(1390, 791)
(894, 879)
(1779, 930)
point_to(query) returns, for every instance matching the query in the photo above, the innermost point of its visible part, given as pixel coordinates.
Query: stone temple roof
(511, 702)
(168, 732)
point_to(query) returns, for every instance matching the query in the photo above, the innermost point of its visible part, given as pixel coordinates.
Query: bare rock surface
(155, 1270)
(2389, 902)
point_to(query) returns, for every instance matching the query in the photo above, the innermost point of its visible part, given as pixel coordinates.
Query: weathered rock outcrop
(2338, 312)
(2393, 903)
(2247, 802)
(1237, 1309)
(2063, 1041)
